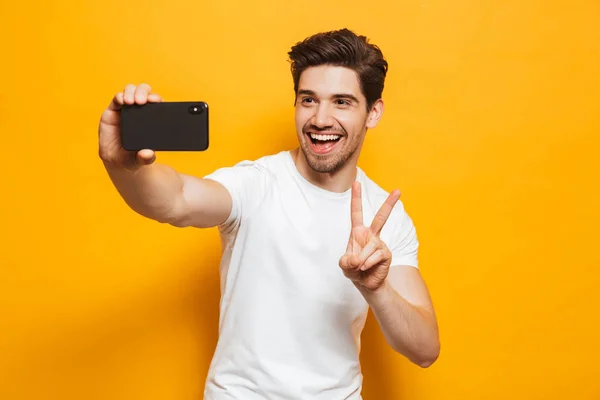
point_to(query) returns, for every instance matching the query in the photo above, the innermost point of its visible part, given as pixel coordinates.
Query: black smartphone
(165, 126)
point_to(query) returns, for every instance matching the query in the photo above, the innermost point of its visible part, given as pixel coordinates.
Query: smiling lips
(323, 143)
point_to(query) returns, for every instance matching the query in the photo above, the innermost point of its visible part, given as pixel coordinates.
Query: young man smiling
(309, 241)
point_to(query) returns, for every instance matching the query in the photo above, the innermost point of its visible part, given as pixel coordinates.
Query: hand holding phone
(137, 123)
(110, 148)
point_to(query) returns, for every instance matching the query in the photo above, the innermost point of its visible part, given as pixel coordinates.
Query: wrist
(373, 295)
(120, 167)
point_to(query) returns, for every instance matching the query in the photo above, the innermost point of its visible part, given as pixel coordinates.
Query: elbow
(425, 356)
(177, 222)
(426, 363)
(429, 356)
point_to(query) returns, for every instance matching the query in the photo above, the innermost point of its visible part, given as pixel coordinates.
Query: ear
(375, 114)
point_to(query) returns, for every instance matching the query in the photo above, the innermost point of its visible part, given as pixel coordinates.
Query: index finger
(356, 214)
(142, 92)
(117, 102)
(384, 212)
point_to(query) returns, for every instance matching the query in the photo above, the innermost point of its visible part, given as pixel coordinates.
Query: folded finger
(344, 262)
(154, 98)
(374, 259)
(141, 93)
(128, 94)
(117, 102)
(372, 245)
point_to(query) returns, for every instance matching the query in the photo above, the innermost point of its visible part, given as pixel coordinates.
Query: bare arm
(404, 311)
(397, 296)
(153, 190)
(160, 193)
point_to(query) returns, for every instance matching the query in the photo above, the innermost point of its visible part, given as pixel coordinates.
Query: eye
(342, 102)
(307, 100)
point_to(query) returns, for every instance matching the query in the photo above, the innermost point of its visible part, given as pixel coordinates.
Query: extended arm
(159, 192)
(153, 190)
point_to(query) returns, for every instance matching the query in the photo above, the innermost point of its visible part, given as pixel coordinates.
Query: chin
(324, 164)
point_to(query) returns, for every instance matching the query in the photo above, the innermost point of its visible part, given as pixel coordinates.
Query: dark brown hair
(346, 49)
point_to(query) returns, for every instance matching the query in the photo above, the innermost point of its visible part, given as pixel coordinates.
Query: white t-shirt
(290, 321)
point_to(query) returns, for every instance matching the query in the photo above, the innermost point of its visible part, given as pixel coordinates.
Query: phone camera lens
(196, 109)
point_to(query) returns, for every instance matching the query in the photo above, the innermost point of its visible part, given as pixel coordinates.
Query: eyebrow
(335, 96)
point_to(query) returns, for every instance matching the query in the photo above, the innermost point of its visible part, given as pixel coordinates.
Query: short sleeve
(246, 183)
(404, 244)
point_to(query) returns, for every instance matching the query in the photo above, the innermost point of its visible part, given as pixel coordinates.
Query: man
(309, 241)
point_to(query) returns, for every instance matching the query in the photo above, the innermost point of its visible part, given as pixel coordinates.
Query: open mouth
(323, 143)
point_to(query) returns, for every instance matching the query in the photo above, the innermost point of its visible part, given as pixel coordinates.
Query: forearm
(154, 191)
(409, 330)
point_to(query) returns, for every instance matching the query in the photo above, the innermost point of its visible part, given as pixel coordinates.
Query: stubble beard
(327, 163)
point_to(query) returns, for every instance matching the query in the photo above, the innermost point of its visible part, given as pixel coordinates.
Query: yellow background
(491, 131)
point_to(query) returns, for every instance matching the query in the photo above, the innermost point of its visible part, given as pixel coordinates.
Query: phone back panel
(165, 126)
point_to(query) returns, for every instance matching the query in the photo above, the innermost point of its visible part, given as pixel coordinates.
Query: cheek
(302, 116)
(352, 123)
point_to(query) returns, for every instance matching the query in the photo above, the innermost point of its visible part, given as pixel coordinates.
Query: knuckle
(105, 155)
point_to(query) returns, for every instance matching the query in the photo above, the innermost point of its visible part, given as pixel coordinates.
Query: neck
(338, 181)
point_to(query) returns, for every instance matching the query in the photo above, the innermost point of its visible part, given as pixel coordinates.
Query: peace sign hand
(367, 259)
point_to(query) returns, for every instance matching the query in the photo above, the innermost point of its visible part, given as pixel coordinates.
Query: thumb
(145, 157)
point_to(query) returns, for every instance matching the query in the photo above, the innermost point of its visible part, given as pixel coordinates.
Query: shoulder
(270, 164)
(399, 222)
(263, 168)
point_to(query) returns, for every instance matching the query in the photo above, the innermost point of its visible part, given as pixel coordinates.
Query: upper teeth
(324, 137)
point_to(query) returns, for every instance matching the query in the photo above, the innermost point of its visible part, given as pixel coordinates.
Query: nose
(322, 118)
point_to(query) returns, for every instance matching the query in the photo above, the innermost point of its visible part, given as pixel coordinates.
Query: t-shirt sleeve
(405, 244)
(246, 183)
